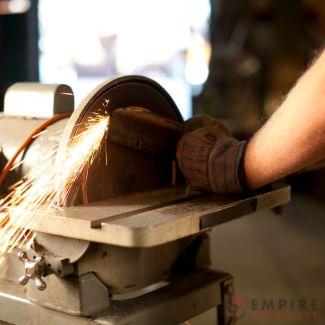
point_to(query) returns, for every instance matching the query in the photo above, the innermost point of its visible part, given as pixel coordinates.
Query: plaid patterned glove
(210, 158)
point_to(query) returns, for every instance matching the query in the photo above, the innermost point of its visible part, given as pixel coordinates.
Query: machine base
(186, 297)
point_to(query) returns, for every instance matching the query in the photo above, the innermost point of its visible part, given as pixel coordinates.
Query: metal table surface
(157, 217)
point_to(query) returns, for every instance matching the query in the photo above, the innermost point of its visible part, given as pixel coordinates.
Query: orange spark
(47, 185)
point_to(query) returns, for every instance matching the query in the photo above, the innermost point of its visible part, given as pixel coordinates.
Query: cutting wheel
(126, 170)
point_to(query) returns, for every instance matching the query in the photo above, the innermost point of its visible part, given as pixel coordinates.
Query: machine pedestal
(186, 297)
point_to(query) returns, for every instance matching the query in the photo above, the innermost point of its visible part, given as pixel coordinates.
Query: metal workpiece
(145, 131)
(154, 218)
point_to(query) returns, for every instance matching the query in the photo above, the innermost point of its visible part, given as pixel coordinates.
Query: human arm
(293, 138)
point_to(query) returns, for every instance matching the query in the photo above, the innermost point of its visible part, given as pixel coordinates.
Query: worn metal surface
(186, 297)
(126, 222)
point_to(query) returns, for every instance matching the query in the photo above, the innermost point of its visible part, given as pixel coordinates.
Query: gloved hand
(210, 158)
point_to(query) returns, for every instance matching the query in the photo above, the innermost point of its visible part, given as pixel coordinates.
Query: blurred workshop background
(232, 59)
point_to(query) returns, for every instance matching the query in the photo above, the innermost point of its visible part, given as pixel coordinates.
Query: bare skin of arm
(294, 137)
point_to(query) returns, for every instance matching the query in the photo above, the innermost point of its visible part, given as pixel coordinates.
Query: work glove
(210, 158)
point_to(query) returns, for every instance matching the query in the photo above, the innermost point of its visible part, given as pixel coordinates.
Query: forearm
(294, 137)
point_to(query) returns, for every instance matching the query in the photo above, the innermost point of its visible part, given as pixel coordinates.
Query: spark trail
(48, 185)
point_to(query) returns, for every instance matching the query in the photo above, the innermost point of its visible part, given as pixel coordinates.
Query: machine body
(137, 250)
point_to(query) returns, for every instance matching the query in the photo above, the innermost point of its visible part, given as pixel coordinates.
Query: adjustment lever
(34, 270)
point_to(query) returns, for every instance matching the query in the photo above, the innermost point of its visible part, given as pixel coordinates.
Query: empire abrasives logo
(235, 308)
(270, 308)
(284, 308)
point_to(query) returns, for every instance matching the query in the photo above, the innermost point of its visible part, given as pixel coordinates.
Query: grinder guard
(124, 170)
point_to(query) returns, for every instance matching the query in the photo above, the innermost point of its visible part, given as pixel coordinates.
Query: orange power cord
(28, 140)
